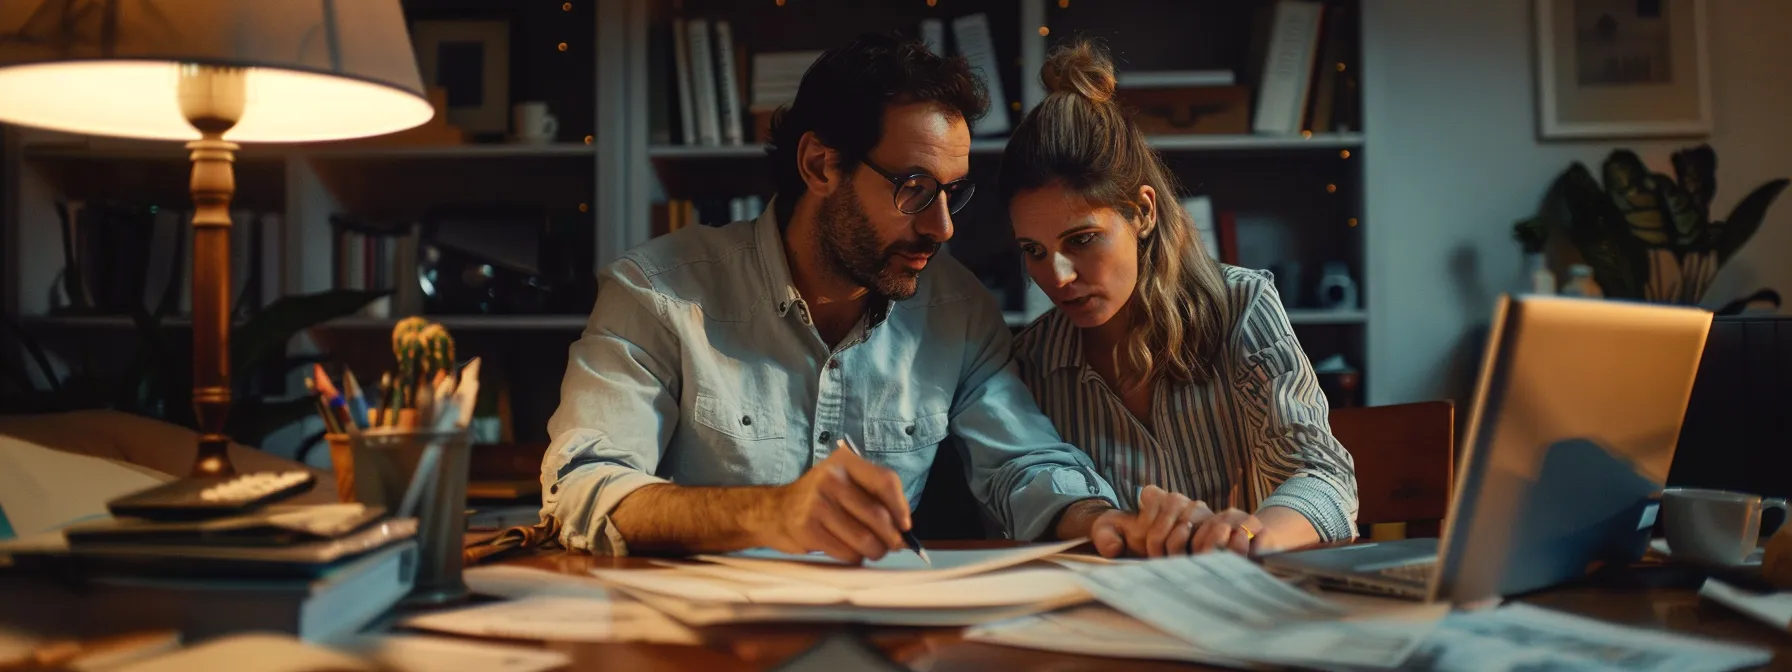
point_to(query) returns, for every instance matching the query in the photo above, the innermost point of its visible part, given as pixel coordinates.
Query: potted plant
(1648, 236)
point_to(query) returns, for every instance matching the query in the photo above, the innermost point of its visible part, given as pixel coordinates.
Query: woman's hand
(1232, 529)
(1166, 523)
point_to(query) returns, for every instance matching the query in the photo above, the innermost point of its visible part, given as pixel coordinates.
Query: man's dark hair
(843, 96)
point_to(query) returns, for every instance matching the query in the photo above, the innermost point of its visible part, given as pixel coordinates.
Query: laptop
(1575, 417)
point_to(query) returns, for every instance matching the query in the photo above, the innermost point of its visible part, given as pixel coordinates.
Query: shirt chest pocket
(905, 435)
(739, 419)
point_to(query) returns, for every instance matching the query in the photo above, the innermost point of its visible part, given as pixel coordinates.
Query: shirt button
(833, 363)
(825, 437)
(746, 419)
(909, 430)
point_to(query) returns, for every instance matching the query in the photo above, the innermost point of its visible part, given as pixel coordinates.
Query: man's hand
(845, 507)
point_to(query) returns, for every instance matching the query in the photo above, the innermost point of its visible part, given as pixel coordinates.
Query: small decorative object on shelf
(1336, 290)
(1338, 380)
(534, 125)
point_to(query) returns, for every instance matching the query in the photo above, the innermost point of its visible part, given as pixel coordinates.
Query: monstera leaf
(1731, 233)
(1599, 229)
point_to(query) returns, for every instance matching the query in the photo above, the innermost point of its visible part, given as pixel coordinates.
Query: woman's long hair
(1081, 138)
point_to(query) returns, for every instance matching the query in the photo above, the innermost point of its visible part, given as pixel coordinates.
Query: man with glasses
(708, 404)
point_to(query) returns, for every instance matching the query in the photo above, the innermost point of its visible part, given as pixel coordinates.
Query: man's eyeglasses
(915, 191)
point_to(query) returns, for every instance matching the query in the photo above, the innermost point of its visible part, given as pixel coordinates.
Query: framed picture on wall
(1622, 68)
(470, 61)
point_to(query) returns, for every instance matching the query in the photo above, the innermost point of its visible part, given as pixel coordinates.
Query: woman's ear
(815, 162)
(1147, 211)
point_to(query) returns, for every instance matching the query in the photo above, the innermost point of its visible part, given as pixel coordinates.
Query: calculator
(208, 497)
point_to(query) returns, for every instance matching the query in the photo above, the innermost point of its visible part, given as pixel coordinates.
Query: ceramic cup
(533, 123)
(1714, 526)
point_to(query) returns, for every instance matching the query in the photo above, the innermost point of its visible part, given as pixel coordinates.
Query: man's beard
(849, 243)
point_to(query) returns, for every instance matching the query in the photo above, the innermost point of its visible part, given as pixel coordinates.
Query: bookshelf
(1296, 199)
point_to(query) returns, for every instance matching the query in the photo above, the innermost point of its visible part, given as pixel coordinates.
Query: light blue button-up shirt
(699, 366)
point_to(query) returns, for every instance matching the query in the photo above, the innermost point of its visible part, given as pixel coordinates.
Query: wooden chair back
(1405, 465)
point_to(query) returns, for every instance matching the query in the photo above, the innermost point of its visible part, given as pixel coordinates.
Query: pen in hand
(908, 537)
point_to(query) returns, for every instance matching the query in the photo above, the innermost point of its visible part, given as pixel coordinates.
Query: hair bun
(1080, 69)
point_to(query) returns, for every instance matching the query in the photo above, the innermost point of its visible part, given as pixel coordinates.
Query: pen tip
(924, 557)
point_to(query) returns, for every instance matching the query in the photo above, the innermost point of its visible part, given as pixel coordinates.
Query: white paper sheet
(1522, 637)
(516, 583)
(896, 569)
(1230, 607)
(560, 619)
(1096, 630)
(413, 653)
(994, 589)
(1774, 609)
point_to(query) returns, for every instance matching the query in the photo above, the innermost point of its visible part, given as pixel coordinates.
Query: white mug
(533, 123)
(1714, 526)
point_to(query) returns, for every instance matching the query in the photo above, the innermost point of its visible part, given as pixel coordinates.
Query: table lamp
(213, 73)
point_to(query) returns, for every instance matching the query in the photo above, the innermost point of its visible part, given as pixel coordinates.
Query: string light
(587, 139)
(1308, 133)
(1340, 67)
(1331, 188)
(1044, 31)
(1014, 105)
(780, 3)
(566, 7)
(1063, 4)
(1351, 221)
(931, 3)
(562, 46)
(584, 207)
(1343, 153)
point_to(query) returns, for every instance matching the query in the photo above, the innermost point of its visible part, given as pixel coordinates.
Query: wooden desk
(764, 647)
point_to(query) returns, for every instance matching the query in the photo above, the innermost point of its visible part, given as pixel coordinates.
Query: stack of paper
(1229, 607)
(1219, 609)
(961, 588)
(545, 605)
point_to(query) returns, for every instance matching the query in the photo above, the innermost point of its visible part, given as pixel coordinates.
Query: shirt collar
(776, 267)
(770, 240)
(1060, 343)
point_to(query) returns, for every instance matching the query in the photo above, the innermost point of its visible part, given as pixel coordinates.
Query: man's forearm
(1077, 518)
(669, 519)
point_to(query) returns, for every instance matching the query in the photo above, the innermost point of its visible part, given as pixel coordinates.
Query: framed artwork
(1622, 68)
(470, 60)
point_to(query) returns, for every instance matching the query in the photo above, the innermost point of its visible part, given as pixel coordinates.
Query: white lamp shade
(316, 69)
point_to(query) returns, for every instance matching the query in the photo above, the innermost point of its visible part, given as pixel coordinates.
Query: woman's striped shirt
(1255, 435)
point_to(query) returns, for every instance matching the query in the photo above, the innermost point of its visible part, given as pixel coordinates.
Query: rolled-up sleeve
(1019, 467)
(1311, 472)
(618, 408)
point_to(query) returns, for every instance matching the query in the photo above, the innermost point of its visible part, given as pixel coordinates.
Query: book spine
(703, 83)
(975, 44)
(1288, 67)
(687, 106)
(729, 89)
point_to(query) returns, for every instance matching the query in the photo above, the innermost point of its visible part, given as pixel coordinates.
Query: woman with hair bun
(1180, 376)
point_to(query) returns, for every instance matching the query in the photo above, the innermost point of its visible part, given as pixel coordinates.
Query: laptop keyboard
(1418, 571)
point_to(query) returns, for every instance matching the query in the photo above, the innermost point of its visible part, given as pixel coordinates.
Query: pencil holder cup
(385, 460)
(342, 461)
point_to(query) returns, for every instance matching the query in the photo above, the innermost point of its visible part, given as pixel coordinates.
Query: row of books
(1305, 82)
(119, 258)
(703, 91)
(678, 213)
(373, 260)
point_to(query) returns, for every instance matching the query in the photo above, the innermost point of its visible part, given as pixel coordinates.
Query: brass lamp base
(212, 100)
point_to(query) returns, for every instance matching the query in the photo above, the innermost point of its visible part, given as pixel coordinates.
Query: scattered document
(559, 618)
(901, 568)
(1096, 630)
(1774, 609)
(1522, 637)
(516, 583)
(411, 653)
(1230, 607)
(730, 585)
